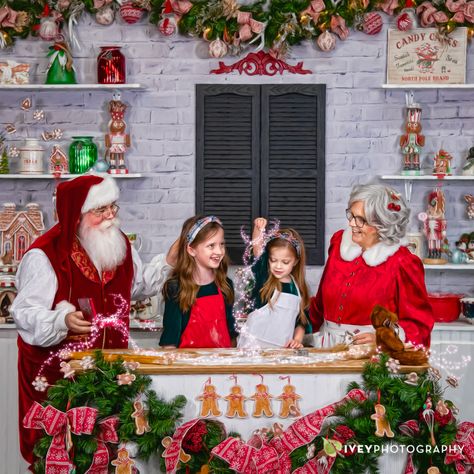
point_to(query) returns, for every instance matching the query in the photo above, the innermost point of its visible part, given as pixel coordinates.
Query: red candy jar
(111, 66)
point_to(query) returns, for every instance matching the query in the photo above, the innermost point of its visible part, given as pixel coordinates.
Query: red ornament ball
(406, 21)
(372, 23)
(167, 26)
(130, 13)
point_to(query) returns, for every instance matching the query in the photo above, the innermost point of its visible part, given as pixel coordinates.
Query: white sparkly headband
(197, 227)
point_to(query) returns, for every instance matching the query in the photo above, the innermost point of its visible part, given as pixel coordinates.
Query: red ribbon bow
(248, 26)
(429, 15)
(80, 420)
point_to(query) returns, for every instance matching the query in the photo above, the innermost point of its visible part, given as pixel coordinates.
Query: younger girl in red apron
(281, 295)
(198, 295)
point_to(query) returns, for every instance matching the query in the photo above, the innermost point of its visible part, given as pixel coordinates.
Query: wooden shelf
(450, 266)
(77, 87)
(426, 177)
(65, 176)
(427, 86)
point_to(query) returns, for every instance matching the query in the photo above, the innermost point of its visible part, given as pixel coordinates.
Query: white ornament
(217, 48)
(167, 25)
(49, 29)
(326, 41)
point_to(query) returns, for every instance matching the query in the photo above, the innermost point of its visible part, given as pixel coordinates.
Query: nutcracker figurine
(413, 141)
(434, 227)
(117, 141)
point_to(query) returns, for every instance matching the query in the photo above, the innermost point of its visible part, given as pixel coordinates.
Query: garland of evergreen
(286, 21)
(351, 425)
(98, 388)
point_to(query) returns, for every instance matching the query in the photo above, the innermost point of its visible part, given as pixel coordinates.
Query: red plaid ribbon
(107, 434)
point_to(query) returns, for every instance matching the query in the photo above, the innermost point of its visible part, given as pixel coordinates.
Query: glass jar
(82, 154)
(31, 157)
(111, 66)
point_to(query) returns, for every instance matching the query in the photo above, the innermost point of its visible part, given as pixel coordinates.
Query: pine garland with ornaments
(231, 27)
(387, 408)
(116, 410)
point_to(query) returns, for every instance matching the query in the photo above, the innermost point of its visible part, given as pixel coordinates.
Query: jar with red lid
(111, 66)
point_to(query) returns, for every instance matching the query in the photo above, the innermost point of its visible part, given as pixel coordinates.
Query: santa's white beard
(105, 244)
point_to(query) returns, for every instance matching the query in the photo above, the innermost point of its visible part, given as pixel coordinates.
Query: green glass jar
(82, 154)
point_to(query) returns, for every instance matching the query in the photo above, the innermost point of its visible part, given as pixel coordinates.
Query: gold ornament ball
(7, 39)
(470, 32)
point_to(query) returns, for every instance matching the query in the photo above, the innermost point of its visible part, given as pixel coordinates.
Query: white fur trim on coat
(106, 192)
(373, 256)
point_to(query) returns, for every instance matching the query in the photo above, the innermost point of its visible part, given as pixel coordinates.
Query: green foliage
(283, 18)
(98, 388)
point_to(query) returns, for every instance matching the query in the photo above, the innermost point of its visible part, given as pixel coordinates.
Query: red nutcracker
(413, 141)
(117, 141)
(434, 227)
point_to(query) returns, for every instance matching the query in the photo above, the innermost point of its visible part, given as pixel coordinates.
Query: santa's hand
(294, 344)
(364, 338)
(76, 323)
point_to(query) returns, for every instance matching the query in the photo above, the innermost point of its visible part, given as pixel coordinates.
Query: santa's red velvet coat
(349, 289)
(77, 277)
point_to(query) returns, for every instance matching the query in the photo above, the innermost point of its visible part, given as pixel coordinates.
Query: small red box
(446, 306)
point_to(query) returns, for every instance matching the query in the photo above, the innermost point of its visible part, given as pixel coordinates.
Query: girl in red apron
(198, 295)
(280, 294)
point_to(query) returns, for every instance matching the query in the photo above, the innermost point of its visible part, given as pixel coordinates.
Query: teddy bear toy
(386, 334)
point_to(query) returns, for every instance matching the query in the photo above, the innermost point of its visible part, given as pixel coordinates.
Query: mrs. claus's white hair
(391, 224)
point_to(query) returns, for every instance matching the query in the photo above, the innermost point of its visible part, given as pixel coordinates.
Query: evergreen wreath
(286, 22)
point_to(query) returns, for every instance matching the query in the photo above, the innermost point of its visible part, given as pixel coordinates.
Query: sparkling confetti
(10, 128)
(38, 115)
(67, 370)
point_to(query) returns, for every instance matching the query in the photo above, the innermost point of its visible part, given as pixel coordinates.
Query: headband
(289, 238)
(198, 226)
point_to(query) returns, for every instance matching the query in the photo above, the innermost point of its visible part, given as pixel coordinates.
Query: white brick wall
(364, 123)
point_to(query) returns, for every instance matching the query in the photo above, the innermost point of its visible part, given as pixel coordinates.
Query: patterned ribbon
(463, 460)
(248, 26)
(173, 450)
(275, 456)
(107, 434)
(430, 15)
(181, 7)
(314, 10)
(463, 11)
(60, 425)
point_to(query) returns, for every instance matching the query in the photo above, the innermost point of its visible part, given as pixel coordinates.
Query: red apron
(207, 326)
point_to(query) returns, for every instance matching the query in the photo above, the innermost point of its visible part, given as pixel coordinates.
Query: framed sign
(423, 56)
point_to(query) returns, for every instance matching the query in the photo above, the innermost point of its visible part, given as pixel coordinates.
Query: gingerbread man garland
(209, 397)
(289, 400)
(235, 401)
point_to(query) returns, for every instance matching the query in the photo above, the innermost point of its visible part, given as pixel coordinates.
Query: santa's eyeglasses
(102, 211)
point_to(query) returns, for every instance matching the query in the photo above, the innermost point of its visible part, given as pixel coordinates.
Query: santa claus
(85, 255)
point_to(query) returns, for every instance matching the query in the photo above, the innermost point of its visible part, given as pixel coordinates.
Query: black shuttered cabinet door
(260, 152)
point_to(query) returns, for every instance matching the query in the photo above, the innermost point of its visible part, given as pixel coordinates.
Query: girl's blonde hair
(294, 243)
(183, 272)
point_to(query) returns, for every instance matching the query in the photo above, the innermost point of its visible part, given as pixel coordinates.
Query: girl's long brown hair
(183, 272)
(298, 272)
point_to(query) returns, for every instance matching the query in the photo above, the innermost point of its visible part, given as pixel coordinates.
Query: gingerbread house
(18, 229)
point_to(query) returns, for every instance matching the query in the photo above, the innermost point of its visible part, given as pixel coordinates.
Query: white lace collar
(373, 256)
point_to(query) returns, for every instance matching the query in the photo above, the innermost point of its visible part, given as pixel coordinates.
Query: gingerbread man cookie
(183, 457)
(263, 404)
(141, 421)
(289, 402)
(209, 405)
(123, 464)
(235, 403)
(381, 422)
